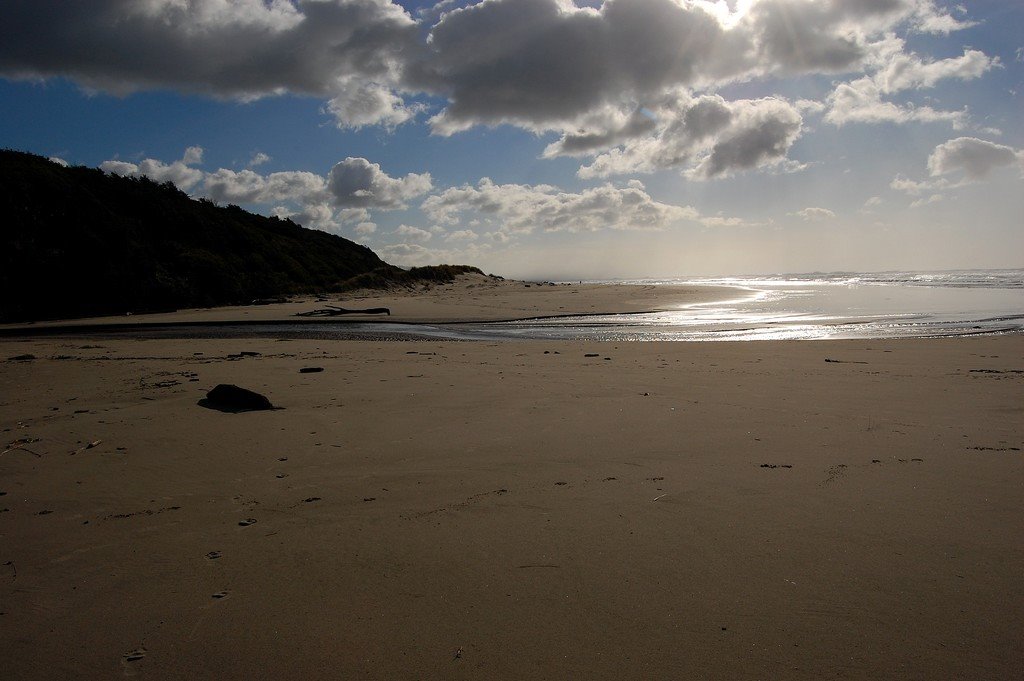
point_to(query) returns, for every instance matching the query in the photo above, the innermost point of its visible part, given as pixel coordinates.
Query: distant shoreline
(469, 299)
(477, 307)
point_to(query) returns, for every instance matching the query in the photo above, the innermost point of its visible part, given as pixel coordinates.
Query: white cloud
(907, 71)
(413, 233)
(707, 137)
(178, 172)
(346, 195)
(365, 228)
(352, 215)
(407, 254)
(930, 19)
(916, 188)
(814, 214)
(860, 101)
(525, 208)
(971, 158)
(357, 183)
(115, 167)
(192, 156)
(316, 216)
(248, 186)
(975, 158)
(59, 161)
(718, 221)
(360, 104)
(809, 106)
(933, 198)
(258, 159)
(462, 235)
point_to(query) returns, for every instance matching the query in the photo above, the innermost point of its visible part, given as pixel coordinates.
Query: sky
(554, 139)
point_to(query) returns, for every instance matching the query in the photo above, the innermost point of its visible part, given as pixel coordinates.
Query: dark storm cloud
(240, 48)
(586, 71)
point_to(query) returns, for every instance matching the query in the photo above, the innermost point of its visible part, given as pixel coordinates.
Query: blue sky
(546, 138)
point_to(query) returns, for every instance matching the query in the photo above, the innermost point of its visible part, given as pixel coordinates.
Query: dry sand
(516, 510)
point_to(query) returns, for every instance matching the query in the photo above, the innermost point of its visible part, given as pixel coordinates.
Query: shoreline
(469, 299)
(477, 307)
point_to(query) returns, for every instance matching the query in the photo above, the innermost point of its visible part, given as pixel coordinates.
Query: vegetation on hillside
(389, 276)
(77, 242)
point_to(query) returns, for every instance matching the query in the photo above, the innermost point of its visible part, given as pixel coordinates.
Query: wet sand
(514, 510)
(470, 298)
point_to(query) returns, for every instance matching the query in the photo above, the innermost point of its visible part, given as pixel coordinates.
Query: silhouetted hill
(77, 242)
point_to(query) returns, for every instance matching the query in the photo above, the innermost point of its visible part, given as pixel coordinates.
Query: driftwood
(334, 311)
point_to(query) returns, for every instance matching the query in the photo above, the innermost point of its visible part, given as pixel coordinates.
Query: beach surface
(470, 298)
(513, 510)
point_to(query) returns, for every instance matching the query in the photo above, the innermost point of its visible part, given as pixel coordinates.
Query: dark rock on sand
(21, 358)
(310, 370)
(231, 398)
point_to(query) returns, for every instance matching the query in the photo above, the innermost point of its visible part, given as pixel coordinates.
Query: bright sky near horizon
(552, 138)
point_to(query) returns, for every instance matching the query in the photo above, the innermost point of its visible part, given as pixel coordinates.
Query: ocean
(805, 307)
(771, 307)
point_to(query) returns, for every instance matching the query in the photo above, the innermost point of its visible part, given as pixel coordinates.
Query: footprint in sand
(219, 595)
(834, 473)
(247, 522)
(213, 555)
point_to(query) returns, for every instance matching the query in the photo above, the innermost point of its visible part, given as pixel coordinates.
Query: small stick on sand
(17, 444)
(660, 496)
(94, 443)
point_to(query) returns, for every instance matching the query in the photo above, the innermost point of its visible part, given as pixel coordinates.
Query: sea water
(806, 307)
(773, 307)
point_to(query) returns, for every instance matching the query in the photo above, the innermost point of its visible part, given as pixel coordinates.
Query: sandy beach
(470, 298)
(512, 510)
